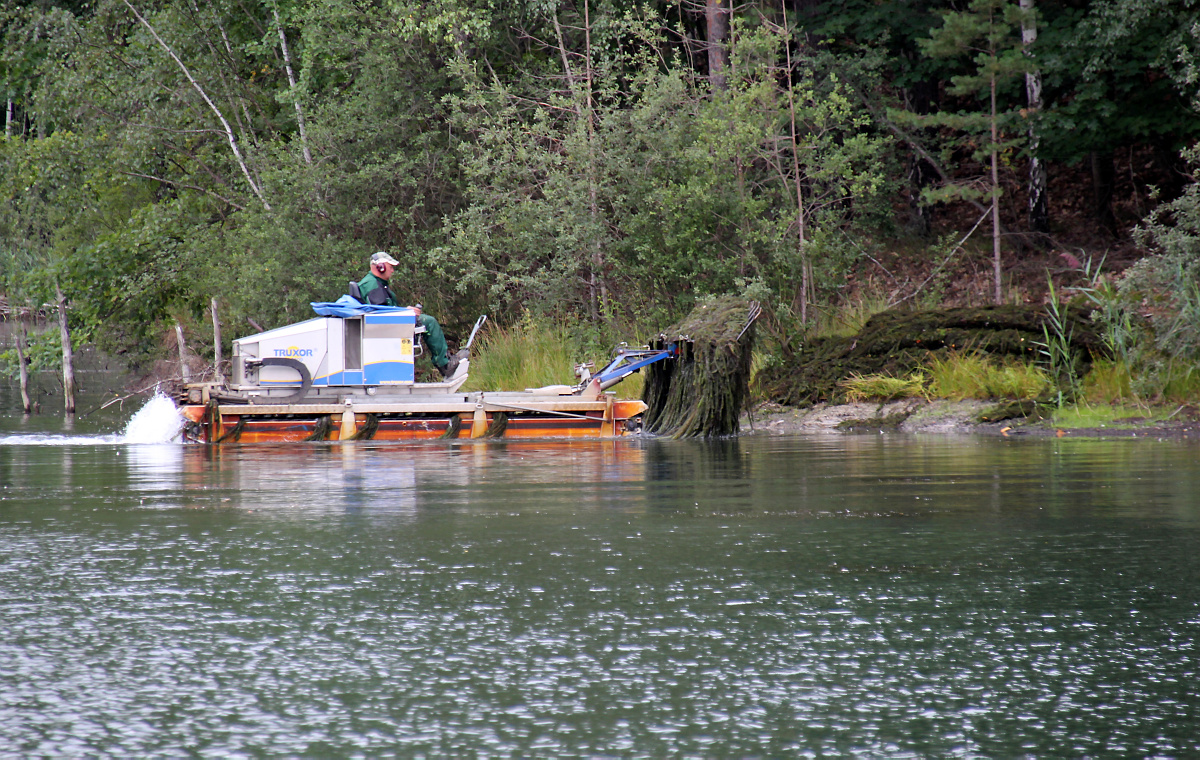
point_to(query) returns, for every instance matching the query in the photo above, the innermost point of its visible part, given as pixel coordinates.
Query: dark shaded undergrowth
(897, 342)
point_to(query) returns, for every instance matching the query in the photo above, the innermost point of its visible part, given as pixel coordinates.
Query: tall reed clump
(528, 355)
(1057, 350)
(532, 354)
(701, 392)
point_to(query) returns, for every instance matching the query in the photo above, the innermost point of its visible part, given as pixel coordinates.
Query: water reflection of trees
(863, 475)
(424, 478)
(698, 476)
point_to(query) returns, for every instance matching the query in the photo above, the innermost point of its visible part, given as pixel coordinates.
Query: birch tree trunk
(998, 294)
(599, 288)
(68, 356)
(287, 64)
(1039, 214)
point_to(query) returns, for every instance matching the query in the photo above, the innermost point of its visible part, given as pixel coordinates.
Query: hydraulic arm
(630, 360)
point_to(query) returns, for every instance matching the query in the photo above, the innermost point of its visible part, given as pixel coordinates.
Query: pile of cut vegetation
(897, 342)
(701, 392)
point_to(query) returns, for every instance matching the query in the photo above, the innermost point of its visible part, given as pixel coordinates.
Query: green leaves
(561, 159)
(1165, 287)
(682, 192)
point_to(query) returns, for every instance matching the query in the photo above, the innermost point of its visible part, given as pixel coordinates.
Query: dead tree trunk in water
(26, 403)
(216, 343)
(68, 356)
(184, 373)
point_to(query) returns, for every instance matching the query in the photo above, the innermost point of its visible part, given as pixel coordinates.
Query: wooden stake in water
(184, 373)
(68, 355)
(216, 343)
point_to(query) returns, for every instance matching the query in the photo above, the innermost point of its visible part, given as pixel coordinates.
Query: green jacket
(375, 291)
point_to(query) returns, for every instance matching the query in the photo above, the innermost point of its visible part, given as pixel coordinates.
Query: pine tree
(988, 33)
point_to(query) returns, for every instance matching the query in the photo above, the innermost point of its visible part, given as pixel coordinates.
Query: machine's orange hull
(568, 418)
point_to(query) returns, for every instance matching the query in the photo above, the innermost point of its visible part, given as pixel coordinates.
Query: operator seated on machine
(373, 289)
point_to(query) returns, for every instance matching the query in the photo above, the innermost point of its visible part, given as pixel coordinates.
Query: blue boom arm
(628, 361)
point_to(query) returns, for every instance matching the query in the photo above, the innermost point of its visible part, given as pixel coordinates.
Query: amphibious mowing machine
(349, 374)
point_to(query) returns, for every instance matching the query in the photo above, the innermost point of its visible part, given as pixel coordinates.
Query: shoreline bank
(909, 416)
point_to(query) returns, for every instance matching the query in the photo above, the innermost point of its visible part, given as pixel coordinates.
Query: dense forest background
(600, 164)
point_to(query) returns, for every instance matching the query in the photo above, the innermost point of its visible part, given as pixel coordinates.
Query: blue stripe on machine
(378, 373)
(391, 319)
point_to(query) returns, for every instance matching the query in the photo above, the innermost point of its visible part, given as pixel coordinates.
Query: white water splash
(48, 439)
(159, 421)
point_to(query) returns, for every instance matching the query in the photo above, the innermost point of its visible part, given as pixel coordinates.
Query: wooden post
(215, 428)
(184, 373)
(68, 357)
(216, 343)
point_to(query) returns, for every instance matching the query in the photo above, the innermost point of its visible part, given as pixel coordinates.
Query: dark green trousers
(434, 339)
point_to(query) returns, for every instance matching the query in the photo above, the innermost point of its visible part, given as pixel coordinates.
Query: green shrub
(1168, 381)
(1161, 293)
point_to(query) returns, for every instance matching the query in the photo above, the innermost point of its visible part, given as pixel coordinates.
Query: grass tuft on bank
(883, 387)
(1114, 416)
(955, 376)
(958, 376)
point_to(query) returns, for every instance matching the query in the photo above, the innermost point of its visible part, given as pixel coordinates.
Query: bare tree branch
(182, 186)
(233, 145)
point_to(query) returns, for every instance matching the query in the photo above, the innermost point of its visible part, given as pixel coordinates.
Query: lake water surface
(869, 596)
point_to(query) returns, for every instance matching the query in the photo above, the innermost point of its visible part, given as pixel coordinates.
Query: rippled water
(868, 596)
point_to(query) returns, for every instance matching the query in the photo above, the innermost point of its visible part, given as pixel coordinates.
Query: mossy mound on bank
(897, 342)
(702, 391)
